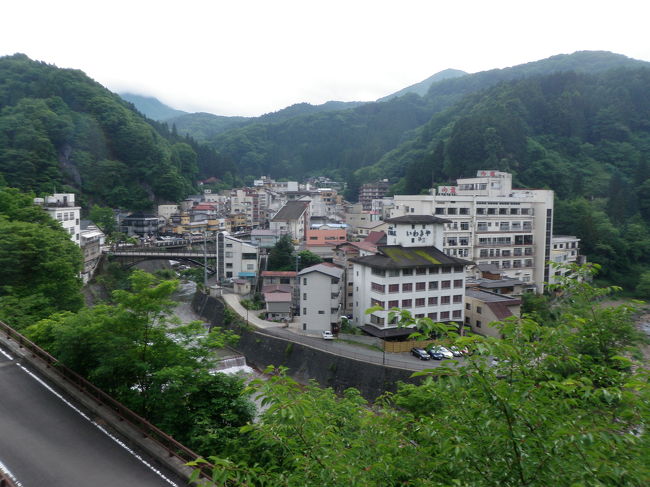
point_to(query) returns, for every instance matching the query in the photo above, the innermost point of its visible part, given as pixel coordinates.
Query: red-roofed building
(482, 308)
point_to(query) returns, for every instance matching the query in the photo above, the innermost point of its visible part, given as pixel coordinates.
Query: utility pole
(205, 261)
(216, 254)
(297, 286)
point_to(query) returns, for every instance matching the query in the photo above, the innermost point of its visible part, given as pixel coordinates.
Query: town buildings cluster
(464, 253)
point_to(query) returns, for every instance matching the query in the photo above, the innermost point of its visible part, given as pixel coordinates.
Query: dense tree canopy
(58, 127)
(559, 403)
(39, 264)
(134, 350)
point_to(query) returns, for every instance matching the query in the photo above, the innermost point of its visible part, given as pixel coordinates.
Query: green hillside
(204, 127)
(586, 136)
(60, 130)
(337, 143)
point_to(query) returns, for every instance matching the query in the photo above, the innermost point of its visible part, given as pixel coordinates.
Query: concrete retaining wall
(305, 362)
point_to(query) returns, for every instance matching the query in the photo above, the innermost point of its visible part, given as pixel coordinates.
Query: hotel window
(458, 283)
(433, 301)
(433, 316)
(407, 303)
(445, 284)
(445, 299)
(444, 315)
(456, 314)
(393, 288)
(407, 287)
(378, 288)
(458, 298)
(393, 304)
(420, 302)
(420, 286)
(433, 285)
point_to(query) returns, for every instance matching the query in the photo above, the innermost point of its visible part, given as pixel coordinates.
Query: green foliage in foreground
(563, 405)
(39, 264)
(153, 365)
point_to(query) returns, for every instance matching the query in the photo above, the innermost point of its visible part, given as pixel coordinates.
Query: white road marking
(103, 430)
(8, 473)
(6, 354)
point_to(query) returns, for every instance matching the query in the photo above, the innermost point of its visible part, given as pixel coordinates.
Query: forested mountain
(60, 130)
(152, 107)
(340, 142)
(204, 126)
(422, 87)
(586, 136)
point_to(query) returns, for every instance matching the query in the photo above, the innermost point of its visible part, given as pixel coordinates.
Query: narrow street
(337, 347)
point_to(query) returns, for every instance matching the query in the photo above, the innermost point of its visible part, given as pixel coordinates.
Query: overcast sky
(243, 57)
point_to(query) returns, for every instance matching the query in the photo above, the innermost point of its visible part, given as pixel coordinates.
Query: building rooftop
(277, 288)
(418, 219)
(398, 257)
(277, 297)
(375, 237)
(291, 211)
(498, 283)
(328, 269)
(490, 297)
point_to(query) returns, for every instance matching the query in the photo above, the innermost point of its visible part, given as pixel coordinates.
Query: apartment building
(565, 250)
(61, 207)
(372, 191)
(411, 273)
(492, 223)
(344, 253)
(483, 308)
(321, 289)
(292, 219)
(235, 258)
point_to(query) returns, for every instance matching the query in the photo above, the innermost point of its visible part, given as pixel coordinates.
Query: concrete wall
(304, 362)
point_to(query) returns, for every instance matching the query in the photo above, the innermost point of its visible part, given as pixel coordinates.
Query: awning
(246, 274)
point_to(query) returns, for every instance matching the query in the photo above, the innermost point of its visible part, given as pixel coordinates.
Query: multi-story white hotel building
(411, 273)
(61, 207)
(492, 223)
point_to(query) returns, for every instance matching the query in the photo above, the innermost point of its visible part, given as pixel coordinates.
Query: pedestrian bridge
(193, 251)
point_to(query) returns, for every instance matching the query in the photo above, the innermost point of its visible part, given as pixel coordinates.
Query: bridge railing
(5, 481)
(148, 430)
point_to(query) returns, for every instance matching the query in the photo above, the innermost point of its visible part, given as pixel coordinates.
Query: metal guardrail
(148, 430)
(5, 481)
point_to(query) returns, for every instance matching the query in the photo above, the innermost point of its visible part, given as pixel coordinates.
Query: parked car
(457, 352)
(420, 353)
(444, 351)
(436, 355)
(327, 335)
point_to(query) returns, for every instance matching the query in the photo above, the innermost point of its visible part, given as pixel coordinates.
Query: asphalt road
(338, 347)
(45, 442)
